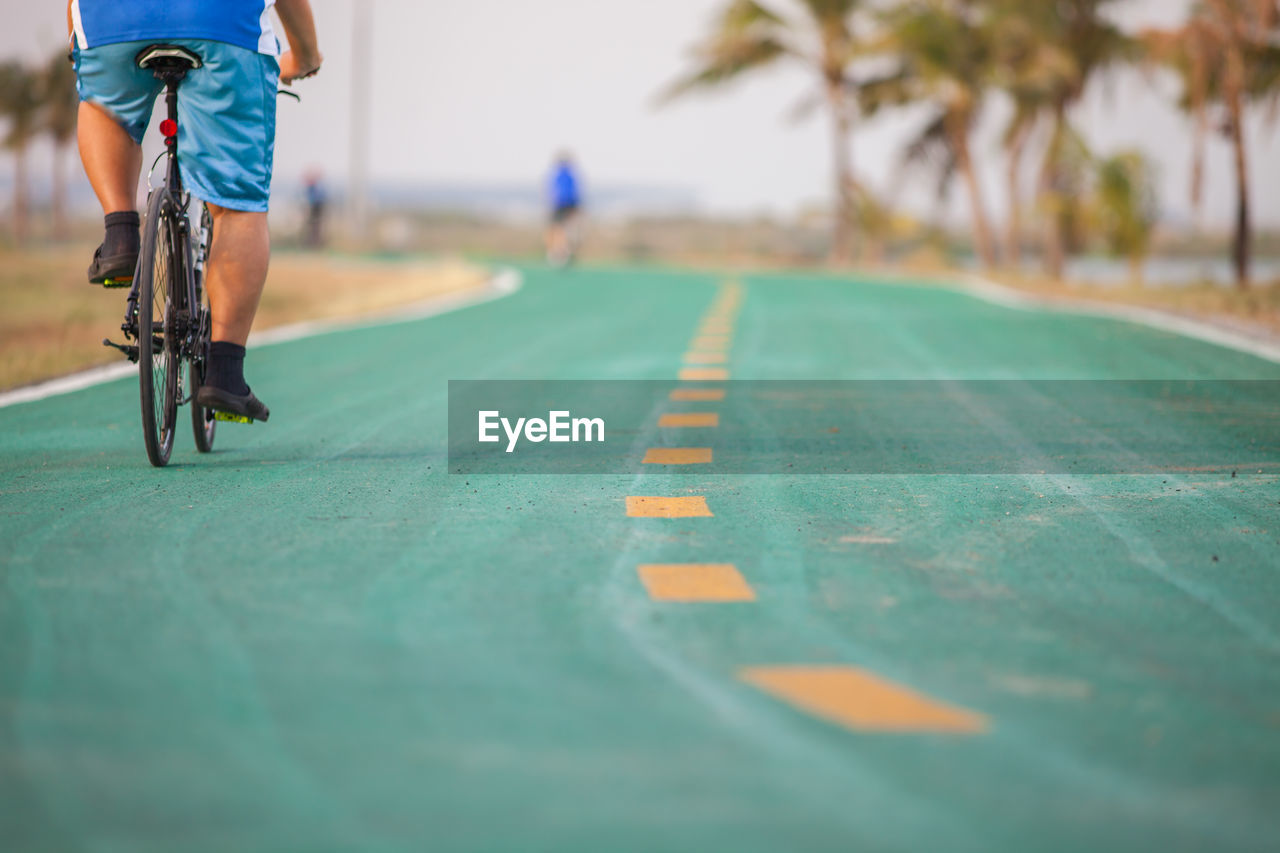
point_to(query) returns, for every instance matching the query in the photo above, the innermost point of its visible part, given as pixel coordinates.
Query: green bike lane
(317, 638)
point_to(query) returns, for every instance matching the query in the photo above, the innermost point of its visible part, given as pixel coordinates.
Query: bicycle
(167, 311)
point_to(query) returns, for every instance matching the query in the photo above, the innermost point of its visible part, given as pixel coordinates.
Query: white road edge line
(503, 282)
(1008, 297)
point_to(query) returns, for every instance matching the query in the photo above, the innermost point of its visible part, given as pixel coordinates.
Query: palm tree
(1072, 41)
(1126, 207)
(1026, 67)
(1016, 136)
(943, 55)
(1190, 52)
(1226, 55)
(20, 105)
(749, 37)
(61, 105)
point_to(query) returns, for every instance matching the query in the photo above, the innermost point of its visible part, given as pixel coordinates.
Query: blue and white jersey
(243, 23)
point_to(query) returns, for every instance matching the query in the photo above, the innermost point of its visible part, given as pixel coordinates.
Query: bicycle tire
(203, 423)
(158, 362)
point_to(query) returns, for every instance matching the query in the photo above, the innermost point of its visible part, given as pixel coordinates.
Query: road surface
(318, 638)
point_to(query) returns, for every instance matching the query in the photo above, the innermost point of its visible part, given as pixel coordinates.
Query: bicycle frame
(191, 259)
(184, 324)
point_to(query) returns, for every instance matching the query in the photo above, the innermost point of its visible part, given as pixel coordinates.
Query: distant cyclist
(565, 195)
(226, 139)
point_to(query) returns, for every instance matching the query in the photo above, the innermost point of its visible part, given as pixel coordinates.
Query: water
(1167, 272)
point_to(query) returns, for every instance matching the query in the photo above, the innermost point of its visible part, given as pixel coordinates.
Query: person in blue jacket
(565, 194)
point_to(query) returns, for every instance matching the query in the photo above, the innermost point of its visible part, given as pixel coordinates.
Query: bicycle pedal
(232, 418)
(130, 351)
(117, 282)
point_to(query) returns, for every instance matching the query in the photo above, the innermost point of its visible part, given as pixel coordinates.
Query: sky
(486, 91)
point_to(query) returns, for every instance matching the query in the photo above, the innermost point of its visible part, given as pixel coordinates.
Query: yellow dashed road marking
(689, 419)
(668, 507)
(710, 343)
(702, 374)
(697, 395)
(860, 700)
(868, 540)
(695, 582)
(705, 357)
(677, 456)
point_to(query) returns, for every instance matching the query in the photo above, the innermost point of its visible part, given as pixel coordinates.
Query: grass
(52, 322)
(1255, 311)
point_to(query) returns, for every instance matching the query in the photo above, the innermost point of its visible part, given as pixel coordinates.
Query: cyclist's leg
(226, 138)
(236, 273)
(571, 225)
(112, 160)
(556, 236)
(237, 270)
(116, 102)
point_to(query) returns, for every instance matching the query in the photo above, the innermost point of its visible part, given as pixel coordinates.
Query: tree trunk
(20, 194)
(1054, 260)
(1200, 135)
(841, 129)
(1136, 264)
(1197, 168)
(981, 228)
(59, 203)
(875, 250)
(1013, 233)
(1243, 232)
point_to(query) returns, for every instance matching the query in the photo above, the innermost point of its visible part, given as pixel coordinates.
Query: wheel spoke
(159, 314)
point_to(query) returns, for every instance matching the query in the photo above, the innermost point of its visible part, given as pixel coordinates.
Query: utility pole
(361, 94)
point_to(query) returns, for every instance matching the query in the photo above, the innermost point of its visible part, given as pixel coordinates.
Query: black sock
(122, 233)
(226, 367)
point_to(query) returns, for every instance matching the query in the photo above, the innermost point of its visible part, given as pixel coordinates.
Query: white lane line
(1008, 297)
(67, 384)
(503, 283)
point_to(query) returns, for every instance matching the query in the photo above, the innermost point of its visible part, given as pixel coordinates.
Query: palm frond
(931, 149)
(19, 103)
(746, 37)
(742, 16)
(724, 62)
(804, 107)
(835, 11)
(893, 88)
(1026, 115)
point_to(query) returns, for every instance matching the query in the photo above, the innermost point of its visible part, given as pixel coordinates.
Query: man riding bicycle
(226, 133)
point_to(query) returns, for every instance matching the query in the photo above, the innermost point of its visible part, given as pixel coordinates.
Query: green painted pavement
(316, 638)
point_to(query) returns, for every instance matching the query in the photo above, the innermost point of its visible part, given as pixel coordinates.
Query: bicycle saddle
(167, 57)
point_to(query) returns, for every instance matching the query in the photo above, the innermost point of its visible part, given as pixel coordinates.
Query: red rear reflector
(169, 127)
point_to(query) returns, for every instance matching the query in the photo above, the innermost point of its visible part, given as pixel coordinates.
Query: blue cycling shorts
(226, 113)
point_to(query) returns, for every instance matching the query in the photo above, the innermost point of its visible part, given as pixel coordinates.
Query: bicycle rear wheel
(203, 423)
(158, 349)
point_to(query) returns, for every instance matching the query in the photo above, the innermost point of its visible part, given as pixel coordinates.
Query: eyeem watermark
(1022, 427)
(559, 426)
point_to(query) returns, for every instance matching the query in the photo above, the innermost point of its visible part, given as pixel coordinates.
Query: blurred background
(1124, 148)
